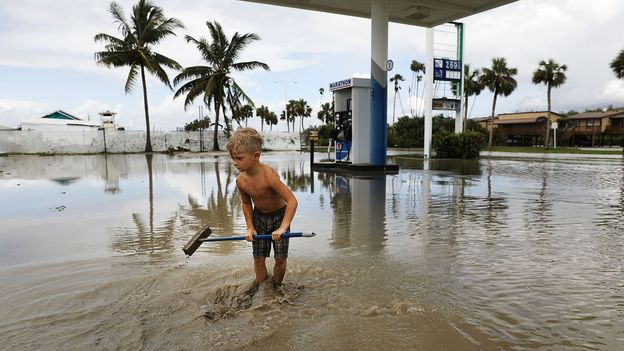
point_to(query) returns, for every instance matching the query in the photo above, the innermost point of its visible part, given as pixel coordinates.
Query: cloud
(13, 111)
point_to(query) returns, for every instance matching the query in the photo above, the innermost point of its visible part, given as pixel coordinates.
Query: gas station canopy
(424, 13)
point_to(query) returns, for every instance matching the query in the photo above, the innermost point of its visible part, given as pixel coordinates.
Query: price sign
(444, 69)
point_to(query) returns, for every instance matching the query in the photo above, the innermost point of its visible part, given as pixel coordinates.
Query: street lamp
(285, 96)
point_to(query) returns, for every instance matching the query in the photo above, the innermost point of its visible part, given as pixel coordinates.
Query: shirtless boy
(268, 205)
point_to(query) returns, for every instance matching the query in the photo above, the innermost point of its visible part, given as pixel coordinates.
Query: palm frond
(249, 65)
(132, 74)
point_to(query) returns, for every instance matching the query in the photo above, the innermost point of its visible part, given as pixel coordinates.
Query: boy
(274, 205)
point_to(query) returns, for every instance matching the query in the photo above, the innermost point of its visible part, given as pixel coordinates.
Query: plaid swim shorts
(266, 223)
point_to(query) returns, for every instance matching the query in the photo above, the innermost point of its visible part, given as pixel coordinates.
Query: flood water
(503, 253)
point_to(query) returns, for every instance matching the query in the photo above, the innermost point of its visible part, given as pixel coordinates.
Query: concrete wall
(113, 141)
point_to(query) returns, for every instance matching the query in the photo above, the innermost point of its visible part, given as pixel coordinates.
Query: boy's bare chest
(256, 187)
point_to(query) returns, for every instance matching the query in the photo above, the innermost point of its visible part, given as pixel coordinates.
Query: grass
(559, 150)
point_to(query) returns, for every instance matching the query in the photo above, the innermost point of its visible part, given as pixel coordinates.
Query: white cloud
(13, 111)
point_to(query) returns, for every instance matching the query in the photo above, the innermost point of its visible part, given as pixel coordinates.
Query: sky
(47, 61)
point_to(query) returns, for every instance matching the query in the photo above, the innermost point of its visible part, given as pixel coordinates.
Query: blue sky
(46, 56)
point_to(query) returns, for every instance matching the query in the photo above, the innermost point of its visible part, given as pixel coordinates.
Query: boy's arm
(291, 204)
(247, 212)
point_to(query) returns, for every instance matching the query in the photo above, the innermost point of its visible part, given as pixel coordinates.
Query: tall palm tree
(326, 113)
(301, 109)
(396, 79)
(472, 86)
(146, 27)
(321, 91)
(215, 82)
(240, 113)
(290, 117)
(417, 68)
(617, 65)
(264, 114)
(271, 120)
(499, 79)
(552, 75)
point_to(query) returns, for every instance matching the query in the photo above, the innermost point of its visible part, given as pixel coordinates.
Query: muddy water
(501, 253)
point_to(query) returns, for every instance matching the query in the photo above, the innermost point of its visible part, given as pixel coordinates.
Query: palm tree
(301, 109)
(416, 68)
(240, 113)
(397, 77)
(499, 79)
(472, 86)
(146, 27)
(617, 65)
(326, 113)
(214, 82)
(290, 117)
(321, 91)
(264, 114)
(271, 120)
(553, 75)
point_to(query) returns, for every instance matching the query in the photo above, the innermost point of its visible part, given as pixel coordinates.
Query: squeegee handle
(261, 236)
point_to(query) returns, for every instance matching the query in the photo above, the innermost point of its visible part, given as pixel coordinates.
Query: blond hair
(245, 139)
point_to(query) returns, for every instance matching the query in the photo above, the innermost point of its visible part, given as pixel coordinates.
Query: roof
(424, 13)
(60, 114)
(597, 114)
(523, 115)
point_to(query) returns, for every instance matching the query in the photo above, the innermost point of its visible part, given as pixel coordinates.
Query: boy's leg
(279, 271)
(260, 269)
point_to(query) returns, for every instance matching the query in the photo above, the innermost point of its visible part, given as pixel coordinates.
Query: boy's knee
(259, 260)
(281, 261)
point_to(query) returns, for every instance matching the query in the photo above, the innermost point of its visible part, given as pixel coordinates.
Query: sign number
(389, 65)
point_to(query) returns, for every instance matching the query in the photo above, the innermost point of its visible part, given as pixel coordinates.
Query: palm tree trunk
(411, 93)
(465, 124)
(148, 139)
(261, 124)
(492, 119)
(215, 135)
(394, 106)
(547, 145)
(417, 104)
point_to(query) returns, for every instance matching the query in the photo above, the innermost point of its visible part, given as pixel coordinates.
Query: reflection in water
(359, 206)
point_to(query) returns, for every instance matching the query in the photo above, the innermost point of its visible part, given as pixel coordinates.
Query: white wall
(89, 142)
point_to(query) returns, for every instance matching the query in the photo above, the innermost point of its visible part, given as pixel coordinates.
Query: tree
(264, 114)
(552, 75)
(397, 77)
(290, 117)
(215, 82)
(499, 80)
(241, 113)
(472, 86)
(326, 114)
(321, 91)
(300, 109)
(617, 65)
(146, 27)
(271, 120)
(416, 68)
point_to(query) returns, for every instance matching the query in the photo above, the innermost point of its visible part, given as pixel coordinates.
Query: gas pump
(351, 119)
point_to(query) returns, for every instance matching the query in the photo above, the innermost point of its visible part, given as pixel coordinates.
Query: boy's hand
(277, 235)
(250, 233)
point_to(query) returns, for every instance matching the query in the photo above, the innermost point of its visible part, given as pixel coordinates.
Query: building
(521, 128)
(60, 121)
(592, 128)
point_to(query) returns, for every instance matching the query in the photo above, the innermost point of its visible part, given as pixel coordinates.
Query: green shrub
(463, 145)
